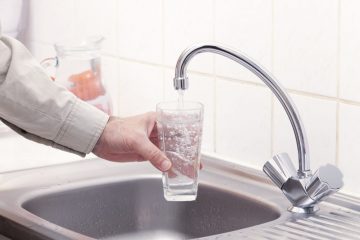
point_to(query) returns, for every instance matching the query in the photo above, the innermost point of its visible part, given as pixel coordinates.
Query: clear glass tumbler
(180, 132)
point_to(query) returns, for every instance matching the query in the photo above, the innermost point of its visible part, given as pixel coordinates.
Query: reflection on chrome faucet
(303, 189)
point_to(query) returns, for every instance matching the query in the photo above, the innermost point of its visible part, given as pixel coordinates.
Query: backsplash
(311, 47)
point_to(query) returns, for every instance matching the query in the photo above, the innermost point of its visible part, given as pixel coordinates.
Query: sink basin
(95, 199)
(135, 208)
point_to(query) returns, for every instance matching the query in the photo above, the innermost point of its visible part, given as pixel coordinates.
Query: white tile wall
(51, 21)
(140, 30)
(305, 45)
(319, 119)
(41, 50)
(349, 142)
(243, 117)
(111, 80)
(349, 50)
(234, 26)
(187, 22)
(310, 46)
(96, 18)
(140, 87)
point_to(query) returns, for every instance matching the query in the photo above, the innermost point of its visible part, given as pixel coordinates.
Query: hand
(132, 139)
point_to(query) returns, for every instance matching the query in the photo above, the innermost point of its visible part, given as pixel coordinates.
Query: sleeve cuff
(82, 127)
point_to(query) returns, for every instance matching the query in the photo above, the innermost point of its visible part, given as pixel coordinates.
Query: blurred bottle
(78, 68)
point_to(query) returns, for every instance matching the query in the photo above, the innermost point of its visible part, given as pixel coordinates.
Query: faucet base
(304, 174)
(304, 210)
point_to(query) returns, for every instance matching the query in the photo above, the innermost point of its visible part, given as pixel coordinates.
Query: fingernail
(165, 165)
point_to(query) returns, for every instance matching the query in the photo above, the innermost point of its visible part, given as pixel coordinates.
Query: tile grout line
(163, 69)
(245, 82)
(76, 8)
(338, 69)
(117, 47)
(272, 123)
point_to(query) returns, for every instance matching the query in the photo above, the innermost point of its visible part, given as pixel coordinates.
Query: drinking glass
(180, 131)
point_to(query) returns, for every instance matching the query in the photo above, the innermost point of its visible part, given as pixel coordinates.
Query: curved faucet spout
(181, 82)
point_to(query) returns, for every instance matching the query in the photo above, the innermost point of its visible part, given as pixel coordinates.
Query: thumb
(149, 151)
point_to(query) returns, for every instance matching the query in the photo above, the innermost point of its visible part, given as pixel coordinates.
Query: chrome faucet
(303, 189)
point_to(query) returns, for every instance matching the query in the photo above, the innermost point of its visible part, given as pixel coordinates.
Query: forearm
(30, 101)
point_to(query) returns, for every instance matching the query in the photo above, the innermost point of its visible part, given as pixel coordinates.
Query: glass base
(180, 195)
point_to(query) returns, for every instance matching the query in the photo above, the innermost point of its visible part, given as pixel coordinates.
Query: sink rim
(30, 185)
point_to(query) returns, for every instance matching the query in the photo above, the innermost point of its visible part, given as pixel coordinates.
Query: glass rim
(175, 107)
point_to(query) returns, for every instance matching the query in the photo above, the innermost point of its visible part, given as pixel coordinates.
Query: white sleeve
(41, 110)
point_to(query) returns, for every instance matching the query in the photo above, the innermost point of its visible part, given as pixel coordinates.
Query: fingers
(155, 141)
(151, 124)
(149, 151)
(151, 116)
(154, 131)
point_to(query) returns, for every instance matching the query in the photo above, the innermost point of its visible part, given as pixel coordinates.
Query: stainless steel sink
(138, 207)
(101, 200)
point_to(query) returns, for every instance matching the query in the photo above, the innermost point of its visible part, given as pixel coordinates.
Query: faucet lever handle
(279, 169)
(325, 181)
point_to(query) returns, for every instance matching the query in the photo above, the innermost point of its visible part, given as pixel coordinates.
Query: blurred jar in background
(78, 68)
